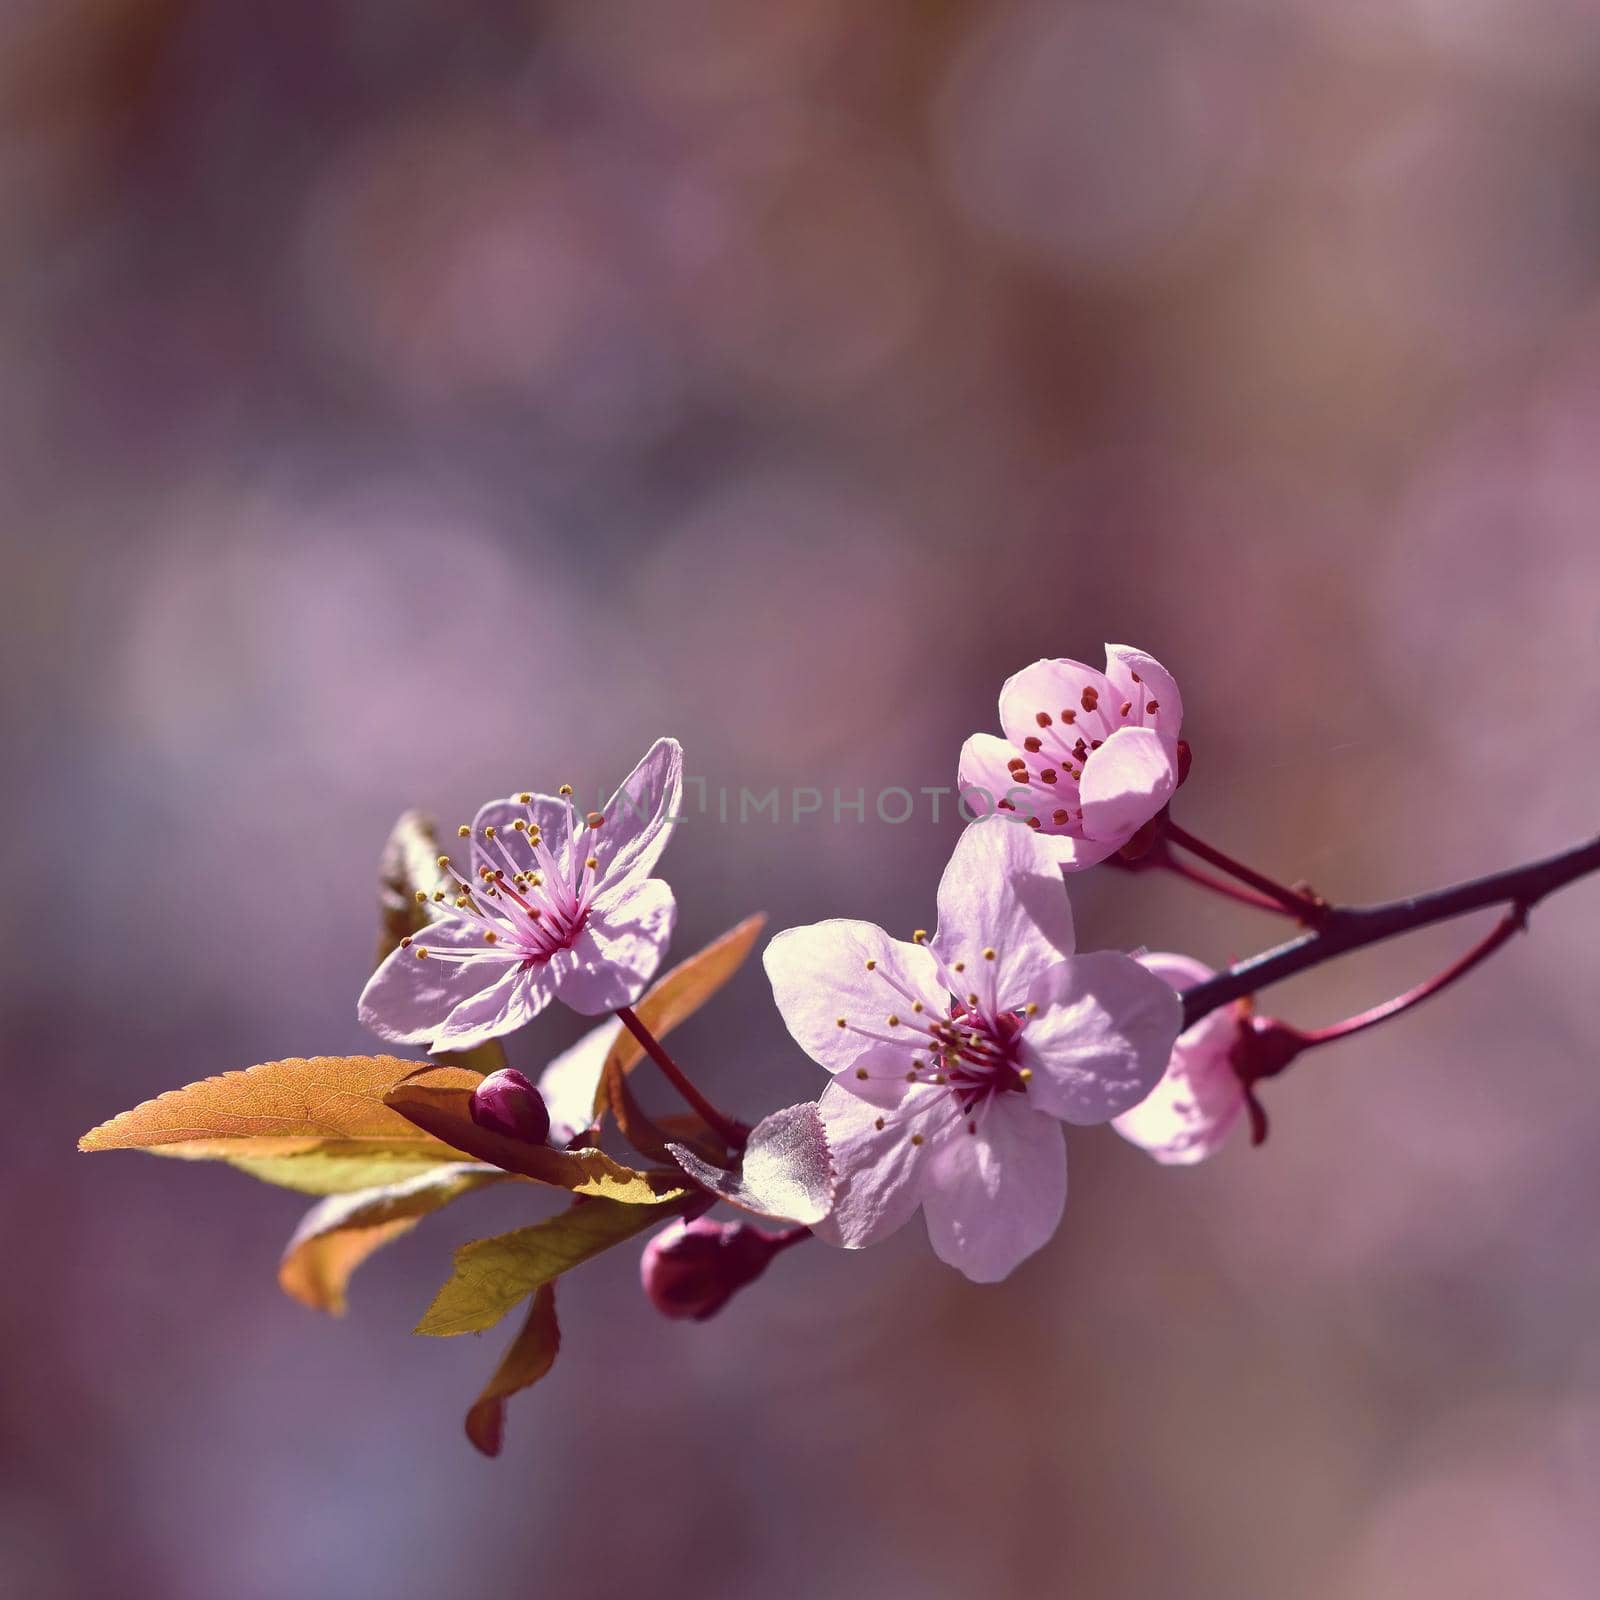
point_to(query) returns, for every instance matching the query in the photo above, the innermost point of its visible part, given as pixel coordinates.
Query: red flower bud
(506, 1103)
(692, 1269)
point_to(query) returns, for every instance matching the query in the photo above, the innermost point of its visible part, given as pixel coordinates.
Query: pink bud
(692, 1269)
(506, 1103)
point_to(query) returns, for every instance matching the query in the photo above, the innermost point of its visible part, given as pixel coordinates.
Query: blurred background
(404, 404)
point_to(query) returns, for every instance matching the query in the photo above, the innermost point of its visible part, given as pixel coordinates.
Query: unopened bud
(506, 1103)
(692, 1269)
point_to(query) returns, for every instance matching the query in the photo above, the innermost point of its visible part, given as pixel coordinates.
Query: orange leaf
(328, 1105)
(530, 1357)
(337, 1235)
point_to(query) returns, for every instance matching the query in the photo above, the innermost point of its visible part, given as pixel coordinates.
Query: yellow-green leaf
(681, 992)
(438, 1102)
(318, 1173)
(335, 1237)
(492, 1275)
(530, 1357)
(328, 1107)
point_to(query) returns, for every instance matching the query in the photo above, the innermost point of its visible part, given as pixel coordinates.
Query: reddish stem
(1299, 906)
(1244, 897)
(1514, 921)
(733, 1134)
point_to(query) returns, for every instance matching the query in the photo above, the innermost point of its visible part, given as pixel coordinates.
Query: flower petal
(1056, 690)
(614, 958)
(996, 1196)
(985, 779)
(1102, 1037)
(640, 815)
(570, 1083)
(1184, 972)
(408, 999)
(1141, 679)
(547, 812)
(819, 974)
(878, 1172)
(1190, 1113)
(1126, 781)
(501, 1008)
(1002, 890)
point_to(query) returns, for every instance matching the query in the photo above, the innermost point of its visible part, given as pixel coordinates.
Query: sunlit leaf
(786, 1170)
(318, 1173)
(330, 1108)
(409, 866)
(437, 1102)
(492, 1275)
(682, 991)
(335, 1237)
(530, 1357)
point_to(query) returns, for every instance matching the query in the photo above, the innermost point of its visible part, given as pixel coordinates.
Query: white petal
(819, 974)
(1102, 1036)
(996, 1196)
(1002, 890)
(1126, 782)
(640, 816)
(878, 1172)
(408, 998)
(516, 999)
(615, 957)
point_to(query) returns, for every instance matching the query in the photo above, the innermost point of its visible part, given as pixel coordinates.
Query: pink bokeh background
(405, 404)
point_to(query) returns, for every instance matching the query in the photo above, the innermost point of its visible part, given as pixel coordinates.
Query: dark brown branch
(1347, 928)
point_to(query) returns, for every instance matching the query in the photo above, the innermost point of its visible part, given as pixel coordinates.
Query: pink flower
(1088, 757)
(958, 1058)
(553, 905)
(1192, 1110)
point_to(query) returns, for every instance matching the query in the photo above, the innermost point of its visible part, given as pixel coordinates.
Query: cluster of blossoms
(954, 1058)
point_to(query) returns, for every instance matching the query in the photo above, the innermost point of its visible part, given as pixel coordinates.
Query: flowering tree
(953, 1059)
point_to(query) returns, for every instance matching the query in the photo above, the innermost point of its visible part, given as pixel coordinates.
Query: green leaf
(335, 1237)
(438, 1103)
(786, 1170)
(492, 1275)
(530, 1357)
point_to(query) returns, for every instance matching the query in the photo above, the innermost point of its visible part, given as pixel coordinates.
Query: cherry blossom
(1199, 1100)
(957, 1058)
(1088, 757)
(552, 905)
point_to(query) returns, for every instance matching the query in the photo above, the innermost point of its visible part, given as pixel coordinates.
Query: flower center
(981, 1058)
(528, 910)
(968, 1056)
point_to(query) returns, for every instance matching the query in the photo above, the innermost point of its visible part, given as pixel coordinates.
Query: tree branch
(1347, 928)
